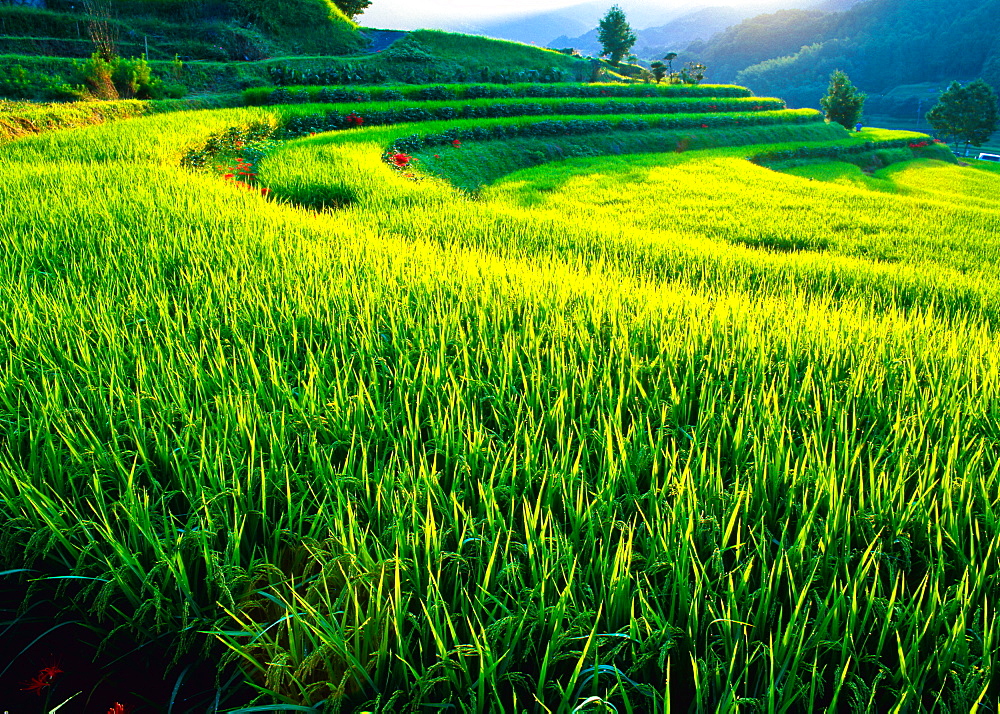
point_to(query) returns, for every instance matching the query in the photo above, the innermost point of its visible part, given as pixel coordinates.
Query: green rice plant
(657, 432)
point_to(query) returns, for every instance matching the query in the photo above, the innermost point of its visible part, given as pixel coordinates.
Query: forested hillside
(881, 44)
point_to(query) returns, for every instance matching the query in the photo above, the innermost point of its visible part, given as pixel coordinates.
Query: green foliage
(18, 82)
(243, 30)
(409, 49)
(124, 78)
(352, 8)
(692, 73)
(966, 113)
(615, 35)
(659, 71)
(842, 103)
(308, 26)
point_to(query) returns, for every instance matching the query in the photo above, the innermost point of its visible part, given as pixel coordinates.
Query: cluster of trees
(967, 113)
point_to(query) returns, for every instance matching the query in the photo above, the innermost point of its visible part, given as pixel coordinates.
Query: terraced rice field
(551, 404)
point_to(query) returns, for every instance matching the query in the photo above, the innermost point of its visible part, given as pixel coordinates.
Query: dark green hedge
(569, 127)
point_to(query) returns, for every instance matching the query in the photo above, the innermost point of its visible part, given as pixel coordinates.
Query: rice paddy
(647, 428)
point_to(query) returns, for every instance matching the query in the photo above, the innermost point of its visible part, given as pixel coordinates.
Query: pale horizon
(454, 14)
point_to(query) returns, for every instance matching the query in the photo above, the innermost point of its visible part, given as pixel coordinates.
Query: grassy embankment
(671, 431)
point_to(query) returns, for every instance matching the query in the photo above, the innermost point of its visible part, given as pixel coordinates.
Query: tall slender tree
(615, 35)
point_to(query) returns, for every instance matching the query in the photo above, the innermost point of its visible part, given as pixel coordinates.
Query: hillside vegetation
(881, 44)
(376, 409)
(225, 30)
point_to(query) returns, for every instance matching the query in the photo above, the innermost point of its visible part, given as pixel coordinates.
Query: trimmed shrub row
(838, 151)
(565, 127)
(382, 117)
(286, 95)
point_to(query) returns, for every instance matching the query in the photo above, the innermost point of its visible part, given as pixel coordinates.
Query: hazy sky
(411, 14)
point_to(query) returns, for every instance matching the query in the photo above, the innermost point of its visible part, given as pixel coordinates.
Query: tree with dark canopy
(843, 102)
(966, 113)
(352, 8)
(615, 35)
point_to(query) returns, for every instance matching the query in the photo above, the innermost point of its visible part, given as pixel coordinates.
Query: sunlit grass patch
(648, 429)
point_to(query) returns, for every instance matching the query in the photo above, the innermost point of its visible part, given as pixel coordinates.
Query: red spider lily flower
(228, 177)
(312, 133)
(51, 671)
(41, 680)
(265, 191)
(456, 143)
(36, 684)
(704, 126)
(437, 156)
(118, 708)
(401, 160)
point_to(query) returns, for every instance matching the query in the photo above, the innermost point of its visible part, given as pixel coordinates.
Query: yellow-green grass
(674, 431)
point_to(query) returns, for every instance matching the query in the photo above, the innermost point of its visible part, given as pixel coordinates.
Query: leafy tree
(966, 113)
(843, 102)
(692, 73)
(659, 70)
(352, 8)
(615, 35)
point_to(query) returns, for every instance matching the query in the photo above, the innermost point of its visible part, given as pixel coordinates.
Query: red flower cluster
(919, 144)
(41, 680)
(354, 120)
(456, 143)
(118, 708)
(243, 168)
(704, 126)
(401, 160)
(246, 177)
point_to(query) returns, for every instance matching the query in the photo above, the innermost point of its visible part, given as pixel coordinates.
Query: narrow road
(380, 39)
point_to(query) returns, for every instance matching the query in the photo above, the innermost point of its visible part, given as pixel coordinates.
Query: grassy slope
(186, 28)
(678, 415)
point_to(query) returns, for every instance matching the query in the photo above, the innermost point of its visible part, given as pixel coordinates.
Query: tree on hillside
(966, 113)
(692, 73)
(843, 102)
(659, 71)
(352, 8)
(615, 35)
(670, 57)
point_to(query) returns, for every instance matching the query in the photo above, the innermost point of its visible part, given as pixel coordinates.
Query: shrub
(119, 77)
(432, 93)
(20, 83)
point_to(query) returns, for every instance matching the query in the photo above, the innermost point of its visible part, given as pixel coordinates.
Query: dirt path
(380, 39)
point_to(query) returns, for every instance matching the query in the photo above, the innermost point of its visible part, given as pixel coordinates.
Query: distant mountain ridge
(659, 30)
(654, 42)
(881, 44)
